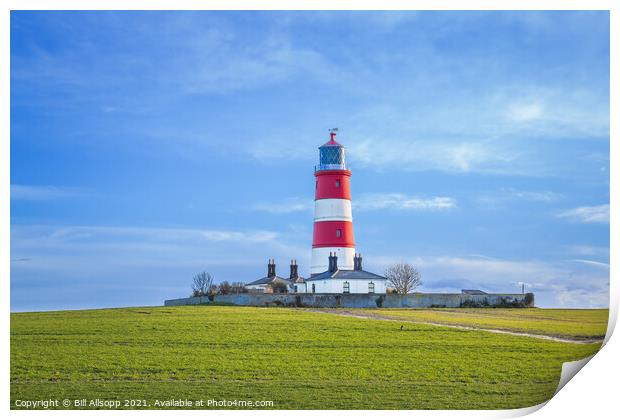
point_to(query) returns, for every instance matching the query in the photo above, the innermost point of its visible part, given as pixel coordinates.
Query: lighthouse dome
(331, 155)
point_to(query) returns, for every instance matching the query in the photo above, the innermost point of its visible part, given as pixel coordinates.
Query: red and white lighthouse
(333, 223)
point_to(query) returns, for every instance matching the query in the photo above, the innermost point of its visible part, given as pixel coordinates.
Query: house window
(295, 288)
(337, 183)
(313, 288)
(371, 287)
(338, 233)
(346, 287)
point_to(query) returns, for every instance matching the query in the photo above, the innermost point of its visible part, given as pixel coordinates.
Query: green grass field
(296, 358)
(567, 323)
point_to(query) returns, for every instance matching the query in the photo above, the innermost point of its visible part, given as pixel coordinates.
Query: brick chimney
(271, 268)
(333, 262)
(357, 262)
(294, 274)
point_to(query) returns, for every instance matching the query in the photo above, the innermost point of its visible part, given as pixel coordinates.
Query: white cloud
(551, 112)
(72, 233)
(73, 249)
(582, 298)
(399, 201)
(378, 19)
(498, 198)
(205, 53)
(449, 156)
(475, 137)
(54, 267)
(590, 251)
(493, 134)
(264, 63)
(592, 263)
(251, 236)
(587, 214)
(490, 269)
(289, 205)
(545, 196)
(44, 192)
(524, 112)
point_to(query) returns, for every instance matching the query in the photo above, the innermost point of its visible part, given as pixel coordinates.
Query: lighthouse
(333, 222)
(335, 267)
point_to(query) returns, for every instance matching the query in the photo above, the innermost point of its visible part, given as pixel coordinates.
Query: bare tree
(403, 277)
(202, 284)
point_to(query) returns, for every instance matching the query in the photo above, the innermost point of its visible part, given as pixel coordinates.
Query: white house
(335, 280)
(265, 284)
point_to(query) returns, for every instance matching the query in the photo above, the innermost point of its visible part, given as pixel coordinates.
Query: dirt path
(460, 327)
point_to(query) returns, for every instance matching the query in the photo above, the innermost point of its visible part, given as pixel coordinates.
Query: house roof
(347, 275)
(298, 279)
(473, 292)
(268, 280)
(332, 143)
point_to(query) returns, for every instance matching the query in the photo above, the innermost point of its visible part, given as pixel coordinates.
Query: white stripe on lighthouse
(332, 209)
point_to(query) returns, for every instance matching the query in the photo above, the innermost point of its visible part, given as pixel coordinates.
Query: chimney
(333, 263)
(357, 262)
(271, 268)
(294, 274)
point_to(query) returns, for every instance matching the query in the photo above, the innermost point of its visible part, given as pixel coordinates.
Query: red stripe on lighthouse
(336, 233)
(333, 184)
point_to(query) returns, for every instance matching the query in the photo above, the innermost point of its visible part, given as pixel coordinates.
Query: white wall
(301, 287)
(355, 286)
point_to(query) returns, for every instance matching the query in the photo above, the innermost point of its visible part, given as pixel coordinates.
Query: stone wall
(416, 300)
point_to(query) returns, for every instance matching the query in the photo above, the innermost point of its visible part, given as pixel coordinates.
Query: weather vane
(333, 130)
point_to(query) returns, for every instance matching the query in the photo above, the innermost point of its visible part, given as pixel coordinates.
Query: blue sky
(148, 146)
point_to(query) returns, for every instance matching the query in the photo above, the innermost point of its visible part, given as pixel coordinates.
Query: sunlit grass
(297, 359)
(570, 323)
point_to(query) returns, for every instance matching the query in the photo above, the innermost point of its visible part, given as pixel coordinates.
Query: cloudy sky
(146, 147)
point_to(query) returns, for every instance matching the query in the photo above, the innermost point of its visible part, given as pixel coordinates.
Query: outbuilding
(269, 283)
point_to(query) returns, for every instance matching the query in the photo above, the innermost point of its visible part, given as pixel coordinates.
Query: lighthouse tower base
(320, 258)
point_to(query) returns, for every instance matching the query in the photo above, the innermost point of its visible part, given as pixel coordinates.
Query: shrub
(474, 304)
(503, 302)
(224, 288)
(529, 299)
(239, 287)
(279, 287)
